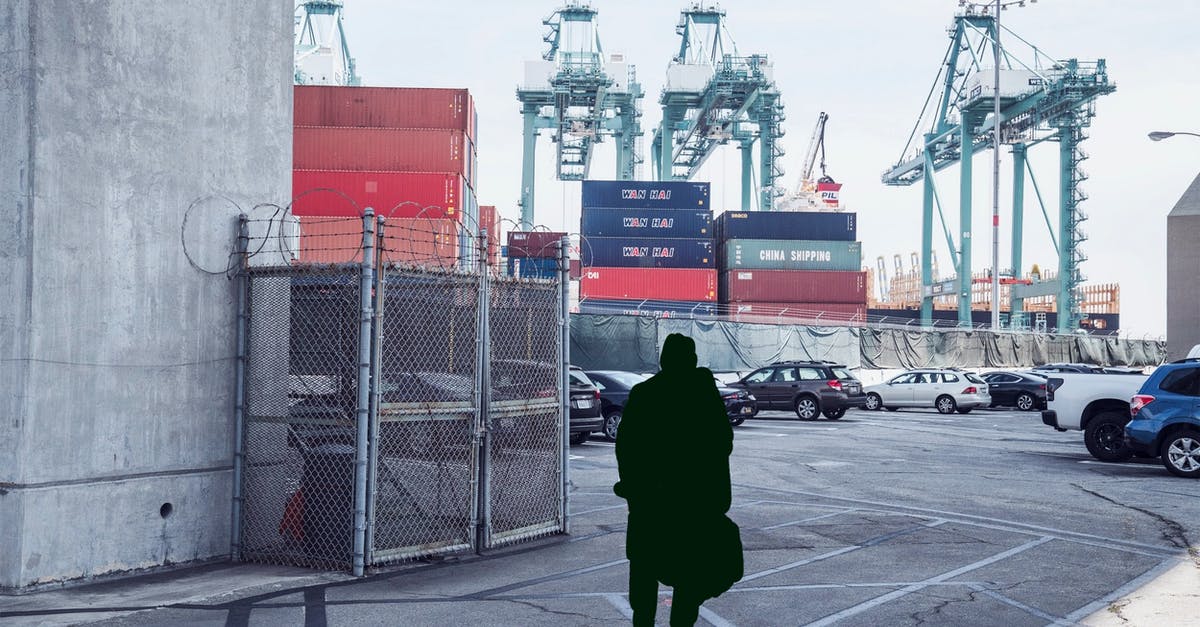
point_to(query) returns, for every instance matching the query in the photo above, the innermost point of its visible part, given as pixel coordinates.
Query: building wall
(1183, 287)
(116, 320)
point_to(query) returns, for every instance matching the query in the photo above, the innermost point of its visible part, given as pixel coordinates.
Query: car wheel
(736, 420)
(1026, 402)
(945, 404)
(964, 410)
(873, 402)
(1105, 437)
(834, 414)
(807, 408)
(579, 438)
(611, 423)
(1181, 453)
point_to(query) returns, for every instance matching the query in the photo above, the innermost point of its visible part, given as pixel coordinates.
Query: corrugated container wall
(646, 194)
(646, 252)
(489, 219)
(786, 286)
(692, 284)
(396, 194)
(397, 150)
(385, 107)
(534, 243)
(533, 267)
(770, 254)
(673, 309)
(635, 222)
(835, 311)
(406, 240)
(787, 225)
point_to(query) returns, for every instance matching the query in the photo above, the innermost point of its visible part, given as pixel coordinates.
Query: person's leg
(685, 608)
(643, 594)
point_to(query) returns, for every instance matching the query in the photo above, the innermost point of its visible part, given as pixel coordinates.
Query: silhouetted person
(673, 449)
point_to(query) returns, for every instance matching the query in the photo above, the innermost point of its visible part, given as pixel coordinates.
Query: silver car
(947, 391)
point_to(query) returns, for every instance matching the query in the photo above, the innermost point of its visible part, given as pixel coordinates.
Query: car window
(904, 378)
(973, 378)
(760, 376)
(578, 378)
(599, 383)
(1184, 381)
(949, 377)
(809, 374)
(999, 377)
(785, 374)
(842, 373)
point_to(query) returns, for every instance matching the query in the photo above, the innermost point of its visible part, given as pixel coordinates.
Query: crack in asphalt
(550, 611)
(1173, 532)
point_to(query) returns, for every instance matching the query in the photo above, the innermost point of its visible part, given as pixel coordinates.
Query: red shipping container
(384, 107)
(533, 243)
(692, 284)
(405, 240)
(793, 286)
(843, 312)
(489, 219)
(395, 194)
(390, 149)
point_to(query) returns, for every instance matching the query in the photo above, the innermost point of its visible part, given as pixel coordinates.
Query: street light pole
(1161, 135)
(996, 179)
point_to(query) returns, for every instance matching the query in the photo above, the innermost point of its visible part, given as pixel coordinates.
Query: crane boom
(817, 141)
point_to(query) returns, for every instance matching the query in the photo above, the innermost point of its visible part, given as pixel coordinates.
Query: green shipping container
(774, 254)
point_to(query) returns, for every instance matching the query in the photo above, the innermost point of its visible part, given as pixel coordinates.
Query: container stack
(407, 153)
(796, 265)
(647, 247)
(533, 254)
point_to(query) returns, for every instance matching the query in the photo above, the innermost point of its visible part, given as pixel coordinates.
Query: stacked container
(791, 264)
(647, 247)
(408, 153)
(533, 254)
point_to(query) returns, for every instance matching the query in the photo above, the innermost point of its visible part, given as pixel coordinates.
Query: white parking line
(618, 601)
(713, 619)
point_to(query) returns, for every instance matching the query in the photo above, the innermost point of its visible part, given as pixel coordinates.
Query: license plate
(746, 410)
(581, 404)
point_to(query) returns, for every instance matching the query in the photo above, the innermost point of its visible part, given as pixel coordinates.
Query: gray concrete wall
(1183, 284)
(117, 350)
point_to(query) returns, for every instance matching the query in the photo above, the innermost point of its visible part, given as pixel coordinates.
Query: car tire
(579, 438)
(834, 414)
(737, 420)
(1026, 402)
(1180, 453)
(611, 422)
(964, 410)
(1104, 437)
(945, 404)
(807, 408)
(874, 402)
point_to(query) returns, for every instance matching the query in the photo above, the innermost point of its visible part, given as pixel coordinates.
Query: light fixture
(1160, 135)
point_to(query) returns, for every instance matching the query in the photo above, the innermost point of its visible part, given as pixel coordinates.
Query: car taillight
(1138, 402)
(547, 393)
(731, 396)
(835, 384)
(970, 390)
(597, 394)
(1042, 386)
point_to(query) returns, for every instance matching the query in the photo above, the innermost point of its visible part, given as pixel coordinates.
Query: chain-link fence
(364, 377)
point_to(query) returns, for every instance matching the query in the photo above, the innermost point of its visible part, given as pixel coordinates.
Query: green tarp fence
(632, 343)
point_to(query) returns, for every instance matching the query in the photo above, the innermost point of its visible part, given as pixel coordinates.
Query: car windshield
(842, 373)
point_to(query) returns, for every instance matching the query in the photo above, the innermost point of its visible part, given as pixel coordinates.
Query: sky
(869, 65)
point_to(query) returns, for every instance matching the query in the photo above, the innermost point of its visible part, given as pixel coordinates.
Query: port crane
(321, 55)
(808, 195)
(580, 96)
(1041, 99)
(715, 96)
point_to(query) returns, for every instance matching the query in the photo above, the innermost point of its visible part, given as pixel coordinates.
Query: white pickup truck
(1097, 404)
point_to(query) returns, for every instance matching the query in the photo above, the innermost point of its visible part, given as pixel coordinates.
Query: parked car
(524, 379)
(1024, 390)
(1165, 421)
(739, 403)
(1084, 368)
(585, 417)
(809, 388)
(614, 393)
(946, 390)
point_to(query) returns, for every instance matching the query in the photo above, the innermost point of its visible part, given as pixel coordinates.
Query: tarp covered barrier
(633, 342)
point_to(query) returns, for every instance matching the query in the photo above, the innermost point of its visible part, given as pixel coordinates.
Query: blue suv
(1166, 418)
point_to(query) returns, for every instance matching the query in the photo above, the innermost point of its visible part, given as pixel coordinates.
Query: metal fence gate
(390, 412)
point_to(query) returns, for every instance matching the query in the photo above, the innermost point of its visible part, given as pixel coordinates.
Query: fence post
(376, 391)
(482, 442)
(564, 331)
(239, 399)
(366, 284)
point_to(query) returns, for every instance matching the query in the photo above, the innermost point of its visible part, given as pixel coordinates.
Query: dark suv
(1165, 419)
(810, 388)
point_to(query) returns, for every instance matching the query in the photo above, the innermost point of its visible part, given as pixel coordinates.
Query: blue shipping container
(793, 225)
(658, 308)
(646, 252)
(646, 194)
(533, 267)
(639, 222)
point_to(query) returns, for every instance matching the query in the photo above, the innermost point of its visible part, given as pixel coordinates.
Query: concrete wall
(1183, 284)
(117, 351)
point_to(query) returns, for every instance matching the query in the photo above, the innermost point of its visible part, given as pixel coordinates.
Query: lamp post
(1156, 136)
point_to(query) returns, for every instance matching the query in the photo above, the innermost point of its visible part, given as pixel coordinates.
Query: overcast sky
(869, 65)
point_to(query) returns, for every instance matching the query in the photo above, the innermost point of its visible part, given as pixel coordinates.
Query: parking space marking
(621, 603)
(805, 520)
(1054, 620)
(905, 591)
(598, 509)
(713, 619)
(1123, 591)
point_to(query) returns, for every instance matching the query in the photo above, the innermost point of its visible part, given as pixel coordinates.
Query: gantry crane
(321, 54)
(1041, 99)
(806, 195)
(581, 97)
(714, 96)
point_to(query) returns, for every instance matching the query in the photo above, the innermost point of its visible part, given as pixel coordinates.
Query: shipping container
(489, 219)
(793, 286)
(694, 284)
(534, 243)
(386, 149)
(395, 194)
(777, 254)
(533, 267)
(658, 309)
(646, 252)
(416, 241)
(646, 194)
(794, 225)
(635, 222)
(843, 312)
(385, 107)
